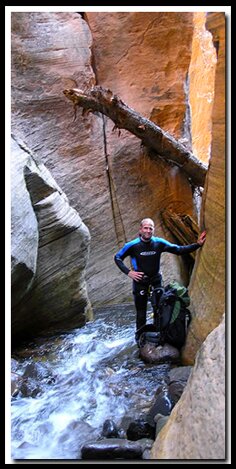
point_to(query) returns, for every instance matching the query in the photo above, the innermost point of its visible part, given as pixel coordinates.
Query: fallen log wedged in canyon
(99, 99)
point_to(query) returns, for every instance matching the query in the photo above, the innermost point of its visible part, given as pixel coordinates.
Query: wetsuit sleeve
(179, 250)
(120, 256)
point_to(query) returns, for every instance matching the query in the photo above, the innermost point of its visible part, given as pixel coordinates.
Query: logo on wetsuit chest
(147, 253)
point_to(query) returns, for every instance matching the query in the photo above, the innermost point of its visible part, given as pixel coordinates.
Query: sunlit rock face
(209, 273)
(49, 252)
(132, 56)
(155, 63)
(145, 67)
(109, 178)
(201, 87)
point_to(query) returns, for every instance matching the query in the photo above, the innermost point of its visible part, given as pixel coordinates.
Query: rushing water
(96, 374)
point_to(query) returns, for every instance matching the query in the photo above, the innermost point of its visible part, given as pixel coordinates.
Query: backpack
(174, 316)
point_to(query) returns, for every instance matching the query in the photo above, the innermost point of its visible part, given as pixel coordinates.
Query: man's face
(146, 230)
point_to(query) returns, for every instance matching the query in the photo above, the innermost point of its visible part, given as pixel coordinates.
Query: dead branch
(103, 100)
(183, 227)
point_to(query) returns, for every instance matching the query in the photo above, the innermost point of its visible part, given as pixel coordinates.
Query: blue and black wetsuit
(145, 257)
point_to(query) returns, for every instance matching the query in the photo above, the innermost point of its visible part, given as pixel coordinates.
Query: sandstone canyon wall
(109, 179)
(209, 274)
(105, 182)
(196, 427)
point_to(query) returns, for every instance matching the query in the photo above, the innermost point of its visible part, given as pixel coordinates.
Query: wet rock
(16, 382)
(110, 430)
(160, 422)
(162, 405)
(114, 448)
(161, 354)
(180, 373)
(176, 390)
(30, 388)
(140, 428)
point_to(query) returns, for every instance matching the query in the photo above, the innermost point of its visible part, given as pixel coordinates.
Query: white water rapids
(96, 374)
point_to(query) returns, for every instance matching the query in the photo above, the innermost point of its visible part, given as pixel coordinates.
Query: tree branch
(124, 117)
(183, 227)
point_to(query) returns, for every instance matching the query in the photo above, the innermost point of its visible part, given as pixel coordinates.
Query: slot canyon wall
(108, 178)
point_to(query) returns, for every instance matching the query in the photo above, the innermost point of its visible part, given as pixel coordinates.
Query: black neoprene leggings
(140, 292)
(141, 310)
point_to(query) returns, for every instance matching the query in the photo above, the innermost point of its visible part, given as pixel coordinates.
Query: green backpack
(174, 315)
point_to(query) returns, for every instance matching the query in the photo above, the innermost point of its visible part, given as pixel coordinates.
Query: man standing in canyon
(145, 253)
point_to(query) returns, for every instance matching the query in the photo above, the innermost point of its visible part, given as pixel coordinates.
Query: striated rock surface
(57, 247)
(112, 183)
(209, 275)
(145, 68)
(24, 230)
(107, 178)
(201, 87)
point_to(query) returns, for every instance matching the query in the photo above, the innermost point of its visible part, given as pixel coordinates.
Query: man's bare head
(146, 229)
(148, 221)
